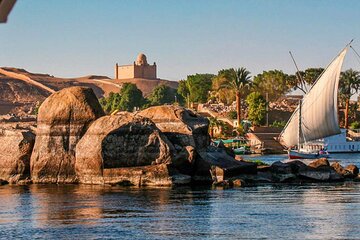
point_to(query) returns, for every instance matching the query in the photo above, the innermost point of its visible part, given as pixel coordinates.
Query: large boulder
(219, 159)
(319, 163)
(186, 130)
(181, 126)
(286, 171)
(279, 167)
(339, 169)
(63, 119)
(116, 148)
(320, 170)
(16, 146)
(317, 170)
(353, 171)
(350, 171)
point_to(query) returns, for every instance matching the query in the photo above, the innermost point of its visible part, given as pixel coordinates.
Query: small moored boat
(302, 155)
(239, 145)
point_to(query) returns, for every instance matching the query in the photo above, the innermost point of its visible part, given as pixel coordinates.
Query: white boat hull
(333, 144)
(302, 155)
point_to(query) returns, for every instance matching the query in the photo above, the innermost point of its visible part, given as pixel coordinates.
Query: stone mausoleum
(139, 69)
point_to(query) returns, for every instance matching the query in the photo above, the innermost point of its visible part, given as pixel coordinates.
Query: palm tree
(349, 85)
(219, 89)
(238, 80)
(213, 123)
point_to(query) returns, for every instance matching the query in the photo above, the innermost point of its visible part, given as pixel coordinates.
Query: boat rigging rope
(356, 53)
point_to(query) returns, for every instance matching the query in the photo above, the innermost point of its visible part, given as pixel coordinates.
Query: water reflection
(268, 211)
(327, 203)
(67, 204)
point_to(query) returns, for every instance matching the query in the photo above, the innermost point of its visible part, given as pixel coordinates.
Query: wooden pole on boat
(298, 76)
(299, 135)
(356, 53)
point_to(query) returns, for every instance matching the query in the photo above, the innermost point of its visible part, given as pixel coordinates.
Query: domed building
(139, 69)
(141, 60)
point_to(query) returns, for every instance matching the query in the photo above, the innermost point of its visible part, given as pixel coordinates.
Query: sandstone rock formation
(187, 131)
(318, 163)
(124, 148)
(339, 169)
(181, 126)
(189, 134)
(63, 119)
(353, 170)
(152, 175)
(316, 170)
(281, 168)
(320, 170)
(215, 157)
(16, 146)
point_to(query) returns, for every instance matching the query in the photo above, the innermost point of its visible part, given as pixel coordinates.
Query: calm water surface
(318, 211)
(314, 211)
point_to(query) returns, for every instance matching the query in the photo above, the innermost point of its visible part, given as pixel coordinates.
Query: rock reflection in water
(269, 211)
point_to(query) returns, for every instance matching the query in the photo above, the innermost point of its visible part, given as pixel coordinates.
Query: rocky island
(73, 141)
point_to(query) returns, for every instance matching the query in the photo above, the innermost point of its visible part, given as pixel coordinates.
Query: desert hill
(21, 90)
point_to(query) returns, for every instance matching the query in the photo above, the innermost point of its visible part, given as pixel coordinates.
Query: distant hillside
(21, 90)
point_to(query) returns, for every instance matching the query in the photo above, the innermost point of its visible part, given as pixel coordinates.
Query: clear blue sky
(70, 38)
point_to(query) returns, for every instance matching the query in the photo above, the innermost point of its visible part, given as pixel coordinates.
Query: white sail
(319, 117)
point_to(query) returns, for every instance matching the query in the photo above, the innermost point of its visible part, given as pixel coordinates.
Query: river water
(283, 211)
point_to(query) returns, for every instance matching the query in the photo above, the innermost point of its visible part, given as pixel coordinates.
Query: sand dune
(21, 90)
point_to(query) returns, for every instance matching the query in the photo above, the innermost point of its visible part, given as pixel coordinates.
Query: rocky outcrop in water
(63, 119)
(352, 171)
(16, 146)
(188, 132)
(163, 145)
(297, 171)
(217, 158)
(319, 170)
(184, 129)
(124, 148)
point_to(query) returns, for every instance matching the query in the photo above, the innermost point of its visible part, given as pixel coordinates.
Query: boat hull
(299, 155)
(241, 151)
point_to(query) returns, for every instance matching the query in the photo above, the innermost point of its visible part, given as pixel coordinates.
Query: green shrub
(232, 115)
(355, 125)
(279, 124)
(259, 162)
(36, 109)
(256, 108)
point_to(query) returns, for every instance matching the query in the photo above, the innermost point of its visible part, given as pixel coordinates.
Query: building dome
(141, 59)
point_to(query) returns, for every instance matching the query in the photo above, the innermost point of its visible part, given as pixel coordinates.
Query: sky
(72, 38)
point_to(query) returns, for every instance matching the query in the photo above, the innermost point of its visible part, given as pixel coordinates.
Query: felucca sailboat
(316, 116)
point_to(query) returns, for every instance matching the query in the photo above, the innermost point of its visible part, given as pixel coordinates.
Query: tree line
(237, 84)
(233, 84)
(130, 98)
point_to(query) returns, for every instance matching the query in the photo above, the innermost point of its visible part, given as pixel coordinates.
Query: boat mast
(302, 86)
(299, 135)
